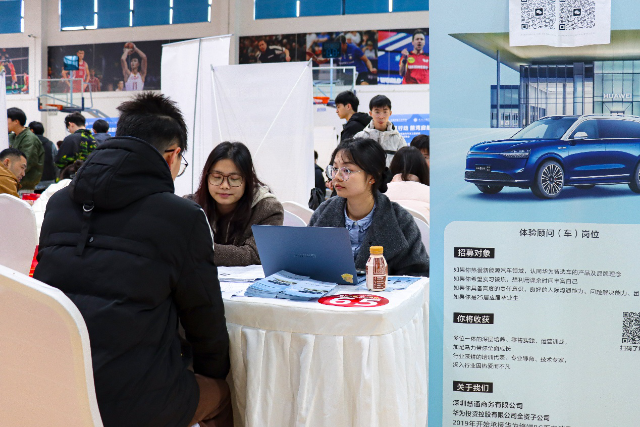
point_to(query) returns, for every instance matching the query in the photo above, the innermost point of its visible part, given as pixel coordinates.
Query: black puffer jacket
(133, 265)
(356, 123)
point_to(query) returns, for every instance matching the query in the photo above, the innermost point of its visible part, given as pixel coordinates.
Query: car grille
(489, 176)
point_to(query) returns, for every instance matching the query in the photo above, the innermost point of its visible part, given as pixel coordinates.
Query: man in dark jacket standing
(135, 259)
(347, 108)
(49, 168)
(76, 146)
(29, 144)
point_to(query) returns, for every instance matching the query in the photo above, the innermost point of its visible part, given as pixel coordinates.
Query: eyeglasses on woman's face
(233, 179)
(343, 171)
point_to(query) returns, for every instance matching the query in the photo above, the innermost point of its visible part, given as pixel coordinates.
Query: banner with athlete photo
(559, 23)
(14, 63)
(109, 67)
(399, 56)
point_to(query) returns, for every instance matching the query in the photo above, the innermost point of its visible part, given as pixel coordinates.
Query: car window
(619, 129)
(550, 128)
(590, 127)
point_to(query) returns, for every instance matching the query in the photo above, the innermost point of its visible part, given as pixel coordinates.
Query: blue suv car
(556, 151)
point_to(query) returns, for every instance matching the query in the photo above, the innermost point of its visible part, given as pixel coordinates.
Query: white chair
(17, 233)
(292, 220)
(424, 231)
(416, 214)
(45, 358)
(298, 210)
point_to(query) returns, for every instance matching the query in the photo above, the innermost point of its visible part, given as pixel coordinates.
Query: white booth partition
(186, 68)
(268, 107)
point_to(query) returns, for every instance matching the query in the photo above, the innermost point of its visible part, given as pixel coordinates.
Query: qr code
(576, 14)
(537, 14)
(630, 328)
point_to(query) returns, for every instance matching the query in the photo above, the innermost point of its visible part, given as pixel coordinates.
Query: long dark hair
(368, 155)
(409, 160)
(239, 154)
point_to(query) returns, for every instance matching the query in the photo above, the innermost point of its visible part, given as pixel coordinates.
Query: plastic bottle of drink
(377, 270)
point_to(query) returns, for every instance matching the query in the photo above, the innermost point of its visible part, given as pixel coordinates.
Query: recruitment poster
(535, 296)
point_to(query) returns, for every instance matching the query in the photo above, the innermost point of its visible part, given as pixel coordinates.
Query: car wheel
(549, 180)
(634, 184)
(585, 186)
(490, 189)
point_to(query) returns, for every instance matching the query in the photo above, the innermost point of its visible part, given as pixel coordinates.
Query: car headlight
(517, 154)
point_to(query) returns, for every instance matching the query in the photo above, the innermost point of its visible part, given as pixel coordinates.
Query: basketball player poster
(108, 67)
(14, 63)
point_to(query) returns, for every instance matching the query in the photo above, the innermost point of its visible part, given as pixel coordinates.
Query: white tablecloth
(308, 364)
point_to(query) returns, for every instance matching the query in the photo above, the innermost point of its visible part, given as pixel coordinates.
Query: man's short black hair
(421, 142)
(14, 113)
(11, 152)
(379, 101)
(75, 118)
(315, 155)
(418, 31)
(154, 118)
(342, 39)
(348, 97)
(101, 126)
(37, 128)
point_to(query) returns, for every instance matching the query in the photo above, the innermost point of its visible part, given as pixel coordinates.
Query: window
(269, 9)
(92, 14)
(618, 129)
(11, 16)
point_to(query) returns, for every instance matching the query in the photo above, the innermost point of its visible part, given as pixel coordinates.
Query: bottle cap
(376, 250)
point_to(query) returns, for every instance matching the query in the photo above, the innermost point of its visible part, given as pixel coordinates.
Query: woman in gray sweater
(359, 177)
(234, 199)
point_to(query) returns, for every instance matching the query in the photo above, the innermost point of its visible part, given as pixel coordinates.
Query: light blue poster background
(460, 110)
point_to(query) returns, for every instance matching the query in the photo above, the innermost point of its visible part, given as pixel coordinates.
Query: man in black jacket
(135, 259)
(347, 108)
(50, 150)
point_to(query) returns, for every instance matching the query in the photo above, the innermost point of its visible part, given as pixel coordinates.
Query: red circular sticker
(354, 300)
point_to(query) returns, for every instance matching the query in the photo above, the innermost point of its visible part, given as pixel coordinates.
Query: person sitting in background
(347, 108)
(421, 142)
(76, 146)
(380, 129)
(40, 205)
(13, 165)
(359, 177)
(100, 131)
(319, 179)
(410, 184)
(234, 199)
(29, 144)
(49, 171)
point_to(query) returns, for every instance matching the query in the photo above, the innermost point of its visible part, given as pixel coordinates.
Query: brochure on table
(535, 303)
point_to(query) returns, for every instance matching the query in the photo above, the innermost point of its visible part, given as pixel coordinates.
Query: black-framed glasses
(183, 162)
(345, 172)
(233, 179)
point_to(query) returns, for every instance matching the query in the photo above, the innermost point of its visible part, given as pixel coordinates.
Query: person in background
(320, 184)
(40, 205)
(359, 177)
(380, 129)
(137, 260)
(234, 199)
(120, 86)
(25, 141)
(352, 56)
(94, 81)
(347, 108)
(421, 142)
(13, 165)
(49, 170)
(76, 146)
(268, 54)
(100, 131)
(410, 184)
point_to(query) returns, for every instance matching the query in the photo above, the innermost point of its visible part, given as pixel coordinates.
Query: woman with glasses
(234, 199)
(359, 176)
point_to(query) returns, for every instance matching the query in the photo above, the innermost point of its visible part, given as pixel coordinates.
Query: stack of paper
(240, 274)
(290, 286)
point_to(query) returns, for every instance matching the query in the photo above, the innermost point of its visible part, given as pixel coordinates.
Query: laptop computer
(321, 253)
